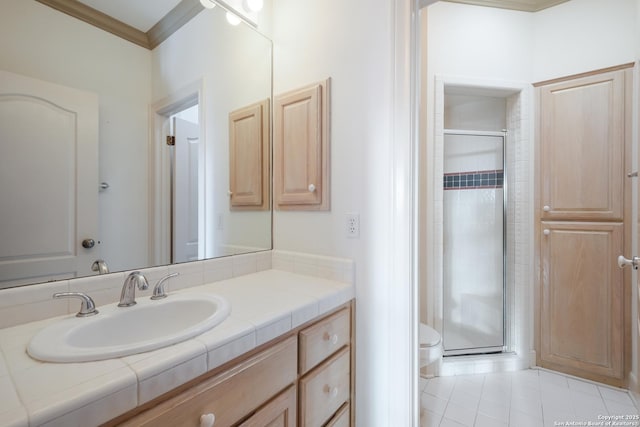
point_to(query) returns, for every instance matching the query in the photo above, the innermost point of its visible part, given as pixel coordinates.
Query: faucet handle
(87, 306)
(159, 291)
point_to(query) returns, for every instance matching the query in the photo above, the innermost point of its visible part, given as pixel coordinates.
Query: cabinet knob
(546, 208)
(312, 188)
(207, 420)
(546, 232)
(229, 193)
(331, 391)
(333, 338)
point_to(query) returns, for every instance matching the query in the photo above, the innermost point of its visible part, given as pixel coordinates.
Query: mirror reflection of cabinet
(249, 157)
(301, 148)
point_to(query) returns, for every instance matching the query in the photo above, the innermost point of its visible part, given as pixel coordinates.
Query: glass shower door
(474, 242)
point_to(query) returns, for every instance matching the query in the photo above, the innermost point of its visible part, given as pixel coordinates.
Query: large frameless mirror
(118, 156)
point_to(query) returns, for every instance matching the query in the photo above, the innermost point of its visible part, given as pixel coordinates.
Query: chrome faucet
(158, 290)
(87, 307)
(100, 266)
(128, 295)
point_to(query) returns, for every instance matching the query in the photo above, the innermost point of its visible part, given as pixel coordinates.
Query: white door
(185, 191)
(48, 180)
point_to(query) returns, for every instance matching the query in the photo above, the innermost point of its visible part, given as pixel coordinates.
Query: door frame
(159, 167)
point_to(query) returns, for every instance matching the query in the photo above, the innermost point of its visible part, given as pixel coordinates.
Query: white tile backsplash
(338, 269)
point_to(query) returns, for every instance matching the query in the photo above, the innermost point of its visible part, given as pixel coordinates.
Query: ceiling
(144, 22)
(140, 14)
(149, 22)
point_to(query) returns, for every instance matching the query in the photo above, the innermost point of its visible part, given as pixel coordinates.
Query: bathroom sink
(122, 331)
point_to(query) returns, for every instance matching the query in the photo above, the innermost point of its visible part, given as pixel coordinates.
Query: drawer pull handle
(331, 391)
(331, 337)
(207, 420)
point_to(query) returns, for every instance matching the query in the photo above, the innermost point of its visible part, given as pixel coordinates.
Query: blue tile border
(474, 180)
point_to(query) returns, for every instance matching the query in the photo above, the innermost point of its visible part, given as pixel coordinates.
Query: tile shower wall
(30, 303)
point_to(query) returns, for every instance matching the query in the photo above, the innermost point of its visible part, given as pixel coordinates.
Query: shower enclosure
(474, 240)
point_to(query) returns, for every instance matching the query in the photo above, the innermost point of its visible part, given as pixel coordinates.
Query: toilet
(430, 346)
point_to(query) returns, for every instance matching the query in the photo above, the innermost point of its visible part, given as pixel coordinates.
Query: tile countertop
(264, 306)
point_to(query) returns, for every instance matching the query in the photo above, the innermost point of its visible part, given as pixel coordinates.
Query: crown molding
(176, 18)
(523, 5)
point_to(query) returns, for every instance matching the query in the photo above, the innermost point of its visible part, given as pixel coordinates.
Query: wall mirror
(117, 152)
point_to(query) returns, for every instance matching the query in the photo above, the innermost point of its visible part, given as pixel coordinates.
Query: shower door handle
(634, 261)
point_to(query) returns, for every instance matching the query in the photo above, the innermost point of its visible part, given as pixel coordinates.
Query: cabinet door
(582, 310)
(249, 157)
(301, 148)
(582, 132)
(280, 412)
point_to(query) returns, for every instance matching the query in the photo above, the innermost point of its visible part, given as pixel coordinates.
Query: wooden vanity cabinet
(303, 378)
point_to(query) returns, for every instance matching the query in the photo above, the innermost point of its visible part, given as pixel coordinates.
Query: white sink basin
(122, 331)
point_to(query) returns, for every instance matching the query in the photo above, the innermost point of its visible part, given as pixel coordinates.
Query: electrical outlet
(353, 225)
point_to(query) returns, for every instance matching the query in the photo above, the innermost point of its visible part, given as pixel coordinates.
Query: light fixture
(233, 19)
(208, 4)
(253, 5)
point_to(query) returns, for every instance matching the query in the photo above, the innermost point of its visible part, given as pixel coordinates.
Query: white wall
(41, 42)
(584, 35)
(351, 42)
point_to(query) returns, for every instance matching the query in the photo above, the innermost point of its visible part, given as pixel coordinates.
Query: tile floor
(531, 398)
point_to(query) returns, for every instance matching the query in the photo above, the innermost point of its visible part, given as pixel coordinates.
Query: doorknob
(88, 243)
(622, 261)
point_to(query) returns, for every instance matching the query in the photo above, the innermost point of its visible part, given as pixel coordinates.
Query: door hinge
(171, 140)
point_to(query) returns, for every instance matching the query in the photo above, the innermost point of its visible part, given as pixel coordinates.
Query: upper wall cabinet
(301, 148)
(582, 141)
(249, 157)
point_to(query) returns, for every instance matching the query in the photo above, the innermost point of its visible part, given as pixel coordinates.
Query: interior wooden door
(49, 136)
(583, 218)
(186, 202)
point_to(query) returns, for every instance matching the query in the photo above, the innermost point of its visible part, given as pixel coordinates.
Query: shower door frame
(489, 349)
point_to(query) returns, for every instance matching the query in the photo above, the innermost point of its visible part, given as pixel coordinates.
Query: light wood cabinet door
(582, 307)
(581, 134)
(301, 148)
(249, 157)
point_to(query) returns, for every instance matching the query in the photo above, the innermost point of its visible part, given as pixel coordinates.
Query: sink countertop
(264, 306)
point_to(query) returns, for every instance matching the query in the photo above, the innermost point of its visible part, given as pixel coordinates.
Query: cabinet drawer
(342, 418)
(325, 389)
(231, 395)
(323, 339)
(280, 412)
